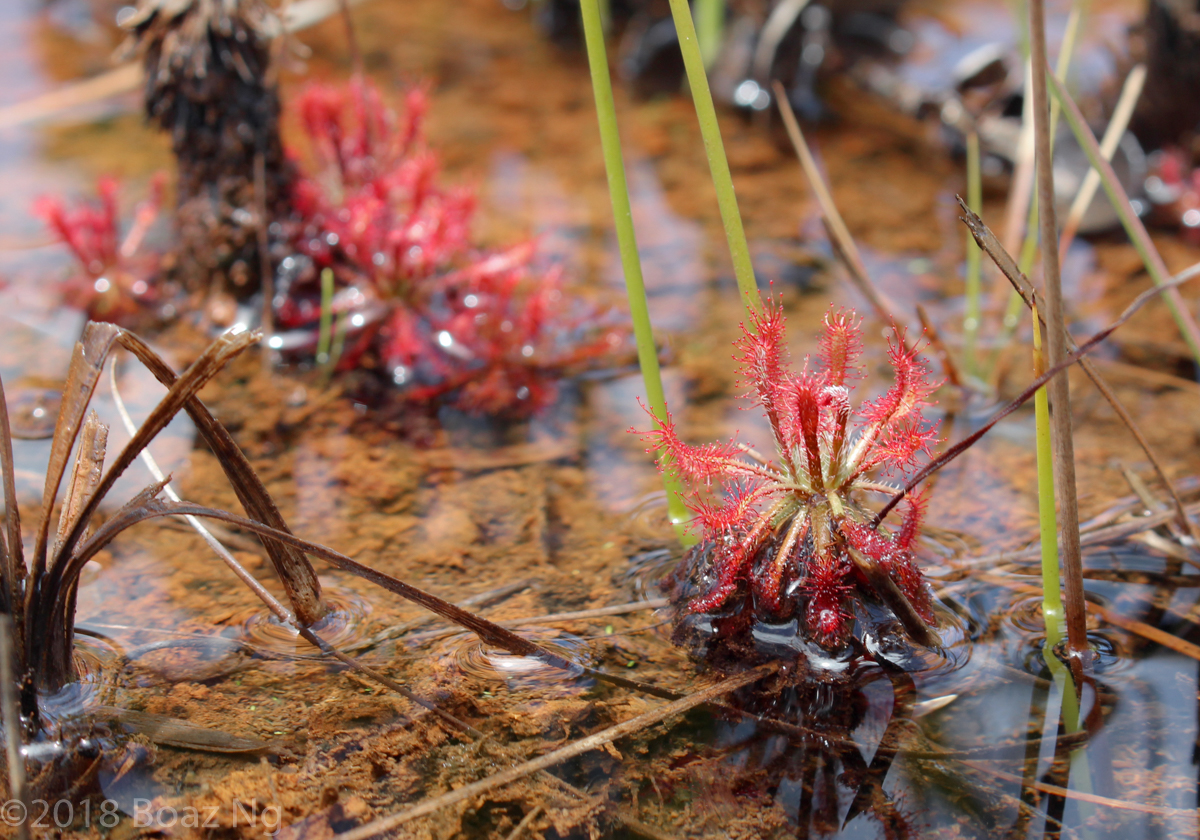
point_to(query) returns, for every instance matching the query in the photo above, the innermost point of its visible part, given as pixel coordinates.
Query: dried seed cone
(208, 83)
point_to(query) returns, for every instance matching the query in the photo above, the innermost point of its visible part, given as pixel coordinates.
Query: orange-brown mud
(569, 507)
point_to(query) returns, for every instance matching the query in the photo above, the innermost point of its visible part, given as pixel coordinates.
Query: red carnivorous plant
(791, 538)
(441, 318)
(116, 276)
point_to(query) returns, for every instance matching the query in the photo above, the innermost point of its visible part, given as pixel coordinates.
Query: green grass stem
(710, 130)
(1122, 114)
(1129, 219)
(974, 285)
(1052, 606)
(710, 28)
(614, 165)
(325, 328)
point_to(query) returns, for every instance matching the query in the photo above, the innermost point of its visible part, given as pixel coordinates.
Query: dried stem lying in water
(281, 612)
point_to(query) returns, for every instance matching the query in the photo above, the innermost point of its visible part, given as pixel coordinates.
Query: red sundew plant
(483, 328)
(115, 277)
(784, 534)
(1177, 196)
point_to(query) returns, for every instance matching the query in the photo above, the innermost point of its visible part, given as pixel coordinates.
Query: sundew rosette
(790, 539)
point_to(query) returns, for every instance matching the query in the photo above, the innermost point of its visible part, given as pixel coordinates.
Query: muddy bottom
(212, 720)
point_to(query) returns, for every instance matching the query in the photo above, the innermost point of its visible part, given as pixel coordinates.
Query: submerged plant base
(738, 634)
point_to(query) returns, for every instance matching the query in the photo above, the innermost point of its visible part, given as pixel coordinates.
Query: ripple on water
(33, 412)
(646, 570)
(470, 656)
(95, 662)
(885, 641)
(1026, 650)
(344, 625)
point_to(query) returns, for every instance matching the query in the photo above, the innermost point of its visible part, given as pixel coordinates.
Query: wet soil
(564, 513)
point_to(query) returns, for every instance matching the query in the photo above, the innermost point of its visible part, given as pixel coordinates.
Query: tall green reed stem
(1052, 606)
(618, 190)
(1058, 388)
(710, 27)
(710, 130)
(325, 328)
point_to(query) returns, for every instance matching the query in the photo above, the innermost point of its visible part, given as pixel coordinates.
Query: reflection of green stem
(610, 141)
(974, 288)
(1052, 606)
(1079, 769)
(325, 330)
(735, 234)
(710, 25)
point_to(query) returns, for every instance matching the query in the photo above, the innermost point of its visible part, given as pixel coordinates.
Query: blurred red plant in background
(483, 330)
(444, 321)
(115, 277)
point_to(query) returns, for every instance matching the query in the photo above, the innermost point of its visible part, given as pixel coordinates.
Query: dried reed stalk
(1129, 219)
(971, 439)
(12, 725)
(1059, 389)
(1029, 294)
(839, 234)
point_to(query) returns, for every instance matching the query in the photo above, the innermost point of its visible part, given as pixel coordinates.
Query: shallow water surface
(564, 514)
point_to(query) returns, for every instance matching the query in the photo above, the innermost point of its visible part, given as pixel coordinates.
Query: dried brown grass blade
(126, 78)
(209, 363)
(1079, 795)
(839, 234)
(1137, 231)
(281, 612)
(73, 96)
(87, 362)
(52, 592)
(146, 507)
(12, 572)
(12, 723)
(85, 477)
(1122, 113)
(1147, 631)
(584, 745)
(295, 572)
(939, 348)
(1008, 267)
